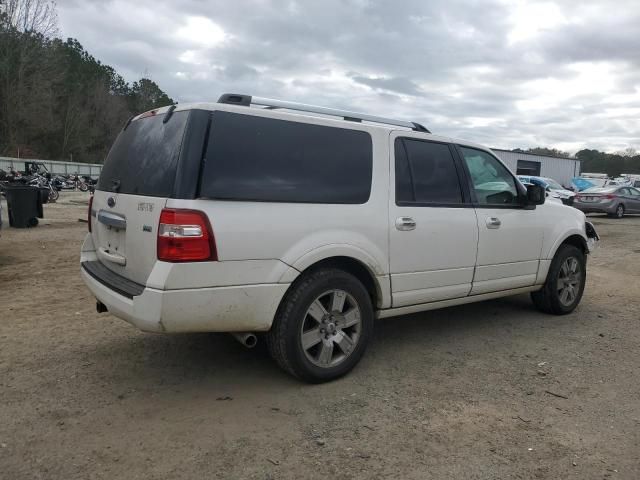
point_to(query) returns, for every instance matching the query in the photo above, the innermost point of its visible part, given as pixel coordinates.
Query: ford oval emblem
(111, 202)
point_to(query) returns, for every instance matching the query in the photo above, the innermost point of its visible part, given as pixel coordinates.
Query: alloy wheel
(569, 278)
(331, 328)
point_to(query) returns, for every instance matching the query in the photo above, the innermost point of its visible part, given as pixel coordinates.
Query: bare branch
(37, 16)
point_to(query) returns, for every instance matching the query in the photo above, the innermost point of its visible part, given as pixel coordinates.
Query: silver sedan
(614, 201)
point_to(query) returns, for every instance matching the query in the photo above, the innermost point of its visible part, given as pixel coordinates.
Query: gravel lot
(491, 390)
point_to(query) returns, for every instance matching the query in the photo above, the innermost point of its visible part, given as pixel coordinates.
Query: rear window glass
(264, 159)
(425, 173)
(144, 158)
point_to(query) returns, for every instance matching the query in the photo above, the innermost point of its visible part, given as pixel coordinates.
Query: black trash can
(44, 194)
(24, 205)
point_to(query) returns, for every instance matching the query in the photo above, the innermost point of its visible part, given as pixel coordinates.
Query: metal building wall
(560, 169)
(54, 167)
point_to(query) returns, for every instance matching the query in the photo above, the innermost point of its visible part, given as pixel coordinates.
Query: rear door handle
(493, 222)
(405, 224)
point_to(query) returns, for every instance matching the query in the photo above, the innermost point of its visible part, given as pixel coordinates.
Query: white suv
(308, 224)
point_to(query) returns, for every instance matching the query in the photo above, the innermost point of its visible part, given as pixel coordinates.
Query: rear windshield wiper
(167, 115)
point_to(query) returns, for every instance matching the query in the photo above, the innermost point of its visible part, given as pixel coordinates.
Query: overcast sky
(504, 73)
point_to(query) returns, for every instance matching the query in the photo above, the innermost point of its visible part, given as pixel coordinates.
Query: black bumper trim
(112, 280)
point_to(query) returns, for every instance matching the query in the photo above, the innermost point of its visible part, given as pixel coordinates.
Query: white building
(560, 169)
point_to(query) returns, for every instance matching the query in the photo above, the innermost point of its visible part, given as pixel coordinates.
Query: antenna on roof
(248, 100)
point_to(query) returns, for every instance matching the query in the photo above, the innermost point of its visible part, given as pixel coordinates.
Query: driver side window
(492, 182)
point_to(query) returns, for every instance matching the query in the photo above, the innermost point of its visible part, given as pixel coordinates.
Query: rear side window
(425, 173)
(265, 159)
(144, 158)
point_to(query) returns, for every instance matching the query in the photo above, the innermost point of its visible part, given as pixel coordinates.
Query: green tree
(56, 99)
(145, 95)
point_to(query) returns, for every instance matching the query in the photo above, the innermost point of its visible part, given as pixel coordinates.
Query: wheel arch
(377, 286)
(577, 241)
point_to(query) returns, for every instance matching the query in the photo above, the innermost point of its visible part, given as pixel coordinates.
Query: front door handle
(405, 224)
(493, 222)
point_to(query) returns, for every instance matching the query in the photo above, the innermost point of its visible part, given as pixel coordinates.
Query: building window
(527, 167)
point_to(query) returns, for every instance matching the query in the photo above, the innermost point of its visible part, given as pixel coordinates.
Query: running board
(423, 307)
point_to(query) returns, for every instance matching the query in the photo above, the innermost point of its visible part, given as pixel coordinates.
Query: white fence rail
(54, 166)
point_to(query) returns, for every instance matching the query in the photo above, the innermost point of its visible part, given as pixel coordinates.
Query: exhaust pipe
(249, 340)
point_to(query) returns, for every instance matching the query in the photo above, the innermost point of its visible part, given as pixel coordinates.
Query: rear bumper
(595, 208)
(175, 300)
(248, 308)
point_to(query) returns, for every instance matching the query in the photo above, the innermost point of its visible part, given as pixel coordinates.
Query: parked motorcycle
(78, 182)
(43, 181)
(70, 182)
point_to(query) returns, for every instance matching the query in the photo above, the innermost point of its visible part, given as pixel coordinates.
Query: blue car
(553, 188)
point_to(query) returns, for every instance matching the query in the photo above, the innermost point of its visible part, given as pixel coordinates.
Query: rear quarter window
(144, 158)
(263, 159)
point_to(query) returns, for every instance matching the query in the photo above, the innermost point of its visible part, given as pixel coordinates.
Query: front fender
(560, 222)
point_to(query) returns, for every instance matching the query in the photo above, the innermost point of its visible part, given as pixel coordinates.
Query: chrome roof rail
(248, 100)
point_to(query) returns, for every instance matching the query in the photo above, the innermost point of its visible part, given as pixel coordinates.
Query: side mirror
(535, 194)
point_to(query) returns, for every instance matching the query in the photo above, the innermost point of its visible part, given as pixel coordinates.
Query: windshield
(144, 158)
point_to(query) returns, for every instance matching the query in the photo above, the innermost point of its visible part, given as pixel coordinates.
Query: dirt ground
(489, 391)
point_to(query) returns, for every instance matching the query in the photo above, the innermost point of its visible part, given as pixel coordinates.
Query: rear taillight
(609, 196)
(185, 236)
(89, 212)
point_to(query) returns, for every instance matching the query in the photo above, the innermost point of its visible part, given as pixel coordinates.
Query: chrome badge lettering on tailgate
(145, 207)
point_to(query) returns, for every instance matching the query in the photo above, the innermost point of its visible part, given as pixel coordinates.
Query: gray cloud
(391, 84)
(495, 72)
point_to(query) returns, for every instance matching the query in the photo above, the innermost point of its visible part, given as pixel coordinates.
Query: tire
(619, 213)
(83, 187)
(552, 297)
(53, 194)
(300, 313)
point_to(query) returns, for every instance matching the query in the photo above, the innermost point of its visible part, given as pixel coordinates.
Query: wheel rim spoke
(564, 270)
(344, 342)
(326, 353)
(351, 318)
(311, 338)
(338, 299)
(573, 265)
(564, 295)
(317, 311)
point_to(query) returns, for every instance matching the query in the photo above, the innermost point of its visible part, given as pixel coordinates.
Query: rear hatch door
(137, 178)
